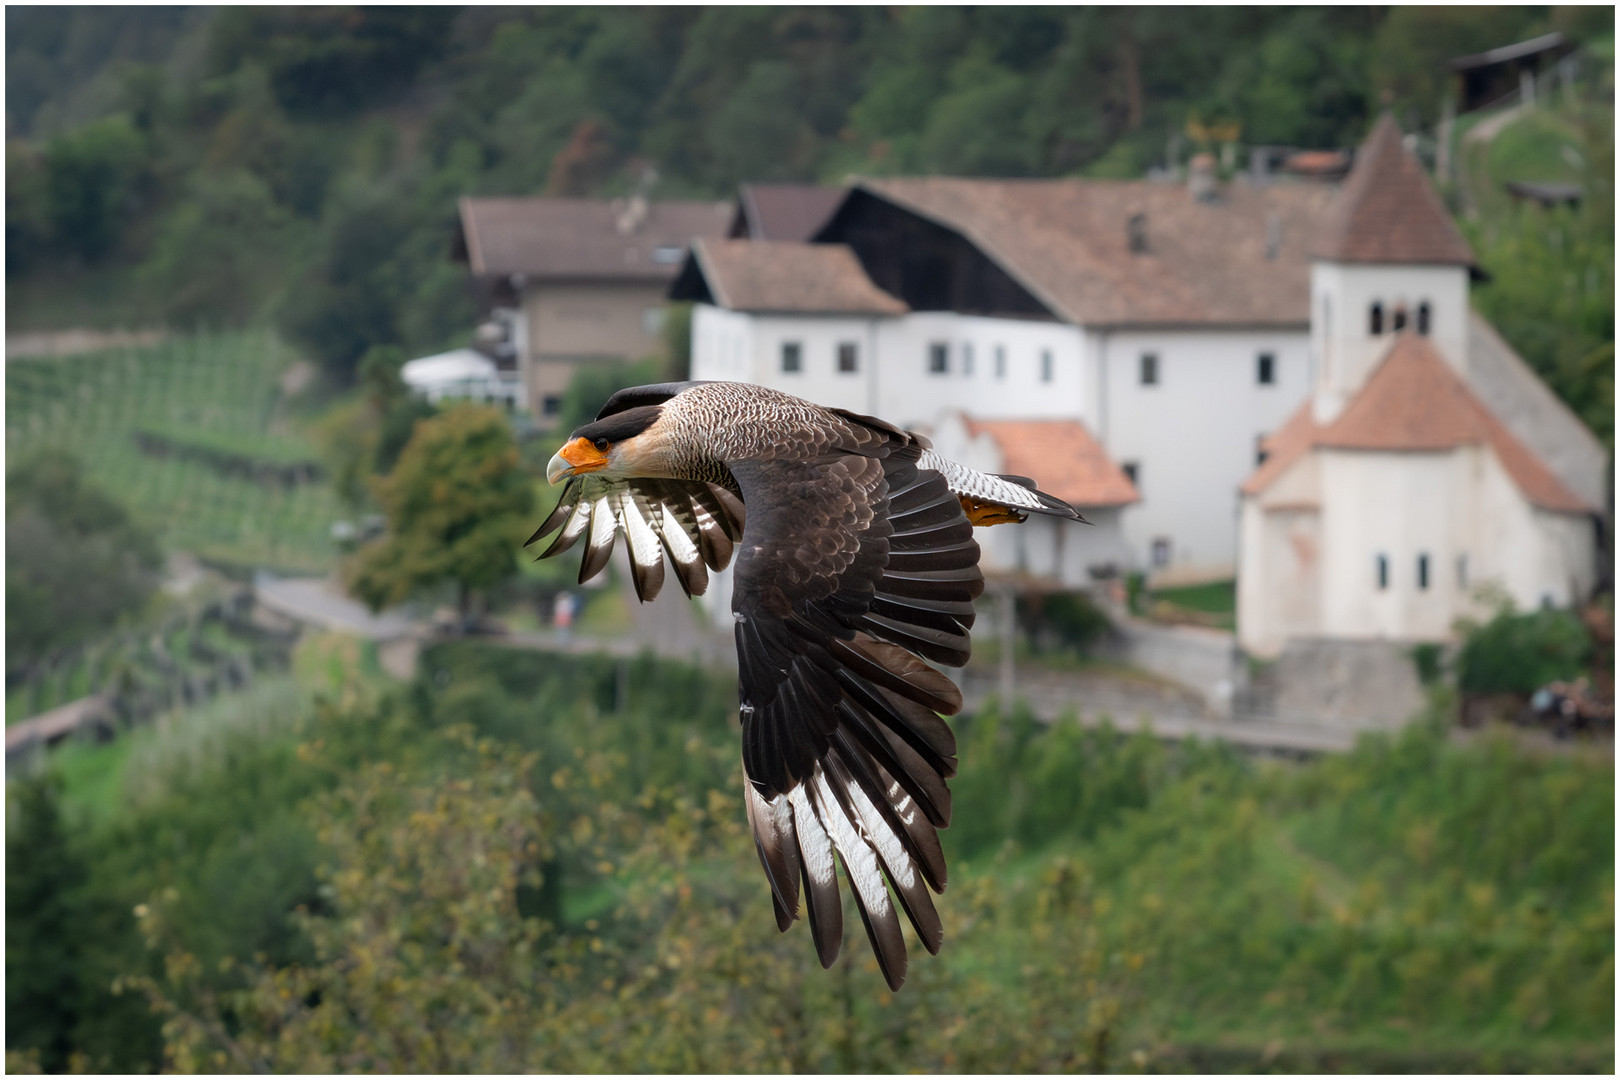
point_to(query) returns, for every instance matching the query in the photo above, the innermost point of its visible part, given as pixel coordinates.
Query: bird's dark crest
(635, 397)
(619, 426)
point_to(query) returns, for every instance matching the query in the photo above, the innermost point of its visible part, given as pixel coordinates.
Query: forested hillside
(218, 166)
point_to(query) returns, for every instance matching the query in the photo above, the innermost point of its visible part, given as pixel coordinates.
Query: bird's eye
(602, 445)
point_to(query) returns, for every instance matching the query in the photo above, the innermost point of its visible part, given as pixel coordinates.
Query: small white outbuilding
(460, 374)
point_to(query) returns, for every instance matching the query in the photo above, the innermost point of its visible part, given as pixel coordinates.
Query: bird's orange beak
(579, 456)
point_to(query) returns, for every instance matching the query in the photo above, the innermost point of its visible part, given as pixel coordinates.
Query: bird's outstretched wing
(696, 523)
(856, 564)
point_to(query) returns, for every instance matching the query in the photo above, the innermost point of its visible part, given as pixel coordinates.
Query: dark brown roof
(1414, 401)
(1064, 457)
(1239, 260)
(1388, 211)
(763, 275)
(784, 211)
(585, 238)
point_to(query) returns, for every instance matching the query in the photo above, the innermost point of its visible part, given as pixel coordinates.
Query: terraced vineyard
(175, 430)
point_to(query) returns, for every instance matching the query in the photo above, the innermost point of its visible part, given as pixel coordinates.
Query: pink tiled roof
(1414, 401)
(1062, 457)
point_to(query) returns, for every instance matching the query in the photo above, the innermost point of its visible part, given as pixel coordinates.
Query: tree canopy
(457, 503)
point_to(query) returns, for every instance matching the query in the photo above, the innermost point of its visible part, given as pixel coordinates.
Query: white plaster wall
(1193, 435)
(722, 344)
(748, 348)
(1535, 556)
(1280, 576)
(1341, 298)
(910, 395)
(1398, 505)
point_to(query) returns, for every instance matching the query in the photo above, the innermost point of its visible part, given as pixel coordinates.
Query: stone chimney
(1136, 233)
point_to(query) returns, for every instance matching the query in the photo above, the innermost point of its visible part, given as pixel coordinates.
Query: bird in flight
(855, 564)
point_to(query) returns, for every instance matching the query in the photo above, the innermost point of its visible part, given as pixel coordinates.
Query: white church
(1191, 362)
(1427, 459)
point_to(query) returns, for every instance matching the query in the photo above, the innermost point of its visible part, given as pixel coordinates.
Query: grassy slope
(212, 389)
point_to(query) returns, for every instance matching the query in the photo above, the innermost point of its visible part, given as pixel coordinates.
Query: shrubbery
(75, 561)
(543, 863)
(1517, 652)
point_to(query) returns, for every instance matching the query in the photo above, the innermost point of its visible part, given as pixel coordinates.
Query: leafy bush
(1515, 653)
(1064, 620)
(75, 561)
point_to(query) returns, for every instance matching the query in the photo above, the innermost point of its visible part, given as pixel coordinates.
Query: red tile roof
(764, 275)
(1063, 457)
(1414, 401)
(585, 238)
(1237, 260)
(1388, 211)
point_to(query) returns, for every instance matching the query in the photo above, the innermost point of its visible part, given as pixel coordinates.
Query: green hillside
(547, 876)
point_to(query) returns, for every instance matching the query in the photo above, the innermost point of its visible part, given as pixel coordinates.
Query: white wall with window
(1358, 308)
(1183, 410)
(1371, 544)
(933, 361)
(823, 358)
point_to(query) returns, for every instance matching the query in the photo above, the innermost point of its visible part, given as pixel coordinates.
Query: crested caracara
(855, 563)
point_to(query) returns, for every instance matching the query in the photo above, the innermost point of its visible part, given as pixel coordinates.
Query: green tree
(44, 876)
(75, 561)
(92, 175)
(458, 504)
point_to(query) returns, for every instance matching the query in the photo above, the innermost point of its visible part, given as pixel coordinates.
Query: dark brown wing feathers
(858, 567)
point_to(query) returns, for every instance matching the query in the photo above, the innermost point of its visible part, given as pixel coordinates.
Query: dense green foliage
(458, 504)
(1516, 652)
(217, 390)
(75, 561)
(527, 863)
(44, 878)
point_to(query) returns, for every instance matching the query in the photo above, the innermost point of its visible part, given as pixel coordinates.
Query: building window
(1375, 319)
(1131, 470)
(1423, 318)
(1046, 365)
(1462, 571)
(792, 357)
(1398, 321)
(1001, 361)
(967, 358)
(1148, 369)
(848, 358)
(939, 358)
(1161, 551)
(1383, 572)
(652, 321)
(551, 405)
(668, 254)
(1260, 451)
(1265, 369)
(1423, 573)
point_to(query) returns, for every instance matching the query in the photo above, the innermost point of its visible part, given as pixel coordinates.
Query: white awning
(453, 368)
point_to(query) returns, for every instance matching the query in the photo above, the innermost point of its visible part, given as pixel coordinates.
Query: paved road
(674, 628)
(318, 602)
